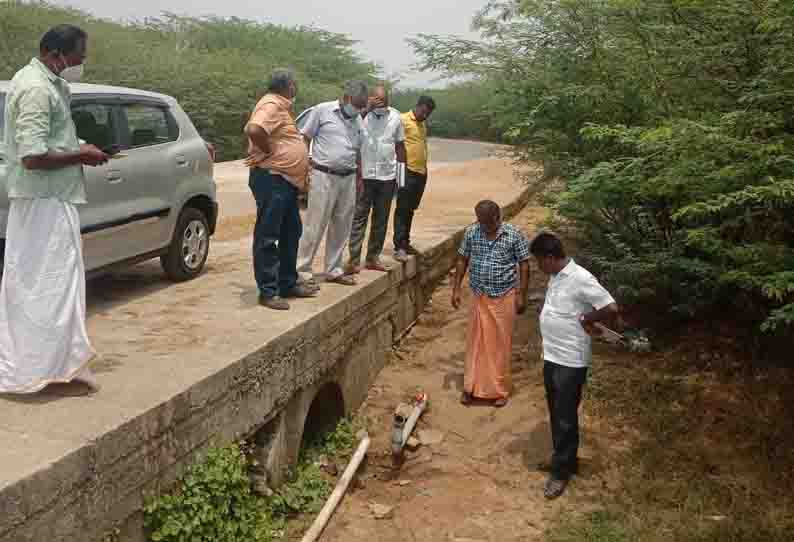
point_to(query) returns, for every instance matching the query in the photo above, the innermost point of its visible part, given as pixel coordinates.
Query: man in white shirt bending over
(575, 302)
(382, 156)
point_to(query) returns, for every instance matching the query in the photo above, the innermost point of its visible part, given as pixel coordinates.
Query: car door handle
(114, 176)
(181, 161)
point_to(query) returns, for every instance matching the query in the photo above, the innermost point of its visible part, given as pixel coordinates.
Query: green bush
(671, 123)
(214, 503)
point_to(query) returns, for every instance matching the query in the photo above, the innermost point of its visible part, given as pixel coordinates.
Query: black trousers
(376, 199)
(564, 394)
(408, 199)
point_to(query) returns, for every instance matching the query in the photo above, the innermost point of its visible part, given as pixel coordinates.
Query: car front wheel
(189, 248)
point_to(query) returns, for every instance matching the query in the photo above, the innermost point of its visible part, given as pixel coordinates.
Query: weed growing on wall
(214, 502)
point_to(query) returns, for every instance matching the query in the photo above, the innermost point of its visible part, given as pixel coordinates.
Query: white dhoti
(43, 337)
(332, 202)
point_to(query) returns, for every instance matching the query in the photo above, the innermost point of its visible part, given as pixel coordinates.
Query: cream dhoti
(489, 350)
(43, 337)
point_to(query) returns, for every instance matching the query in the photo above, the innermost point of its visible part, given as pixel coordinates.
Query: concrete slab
(181, 364)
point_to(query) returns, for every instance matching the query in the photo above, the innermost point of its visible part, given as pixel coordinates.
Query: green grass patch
(702, 453)
(598, 526)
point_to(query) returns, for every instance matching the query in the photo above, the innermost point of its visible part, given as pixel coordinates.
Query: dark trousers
(564, 393)
(277, 232)
(376, 199)
(408, 199)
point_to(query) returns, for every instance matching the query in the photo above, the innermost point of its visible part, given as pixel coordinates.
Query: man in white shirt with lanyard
(383, 163)
(575, 302)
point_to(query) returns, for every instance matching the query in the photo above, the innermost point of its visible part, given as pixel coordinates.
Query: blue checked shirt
(493, 264)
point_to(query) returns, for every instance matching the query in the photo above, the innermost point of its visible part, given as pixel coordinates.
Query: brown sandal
(466, 398)
(344, 280)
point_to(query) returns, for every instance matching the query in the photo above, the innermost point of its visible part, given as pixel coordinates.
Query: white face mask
(351, 110)
(73, 74)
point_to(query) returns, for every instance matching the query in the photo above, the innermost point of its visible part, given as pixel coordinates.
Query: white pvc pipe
(339, 491)
(411, 423)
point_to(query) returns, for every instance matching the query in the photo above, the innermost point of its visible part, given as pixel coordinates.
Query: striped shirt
(38, 119)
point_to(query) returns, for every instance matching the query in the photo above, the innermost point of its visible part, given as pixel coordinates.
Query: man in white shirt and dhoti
(43, 337)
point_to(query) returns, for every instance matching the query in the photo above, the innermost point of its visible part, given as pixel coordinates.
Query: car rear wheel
(189, 248)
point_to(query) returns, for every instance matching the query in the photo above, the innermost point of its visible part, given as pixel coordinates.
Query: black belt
(337, 172)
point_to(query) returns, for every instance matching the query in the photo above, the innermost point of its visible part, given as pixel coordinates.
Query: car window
(95, 124)
(149, 125)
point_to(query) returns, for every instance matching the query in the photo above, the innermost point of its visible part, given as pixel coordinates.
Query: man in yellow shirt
(409, 196)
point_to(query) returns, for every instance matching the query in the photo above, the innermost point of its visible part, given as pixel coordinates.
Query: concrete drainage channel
(324, 364)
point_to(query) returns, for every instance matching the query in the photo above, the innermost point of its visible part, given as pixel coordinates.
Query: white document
(400, 174)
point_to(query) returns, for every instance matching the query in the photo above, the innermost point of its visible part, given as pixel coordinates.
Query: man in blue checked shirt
(497, 258)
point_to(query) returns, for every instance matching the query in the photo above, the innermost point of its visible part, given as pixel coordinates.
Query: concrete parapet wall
(100, 486)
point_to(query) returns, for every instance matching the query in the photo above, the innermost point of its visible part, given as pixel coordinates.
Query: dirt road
(481, 482)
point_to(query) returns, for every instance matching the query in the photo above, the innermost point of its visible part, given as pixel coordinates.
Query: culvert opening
(325, 413)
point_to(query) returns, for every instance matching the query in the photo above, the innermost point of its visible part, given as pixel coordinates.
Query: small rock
(717, 518)
(381, 511)
(403, 483)
(413, 444)
(428, 437)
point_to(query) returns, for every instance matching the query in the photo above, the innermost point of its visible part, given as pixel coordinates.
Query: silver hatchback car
(156, 198)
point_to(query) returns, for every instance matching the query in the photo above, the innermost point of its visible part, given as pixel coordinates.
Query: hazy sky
(381, 27)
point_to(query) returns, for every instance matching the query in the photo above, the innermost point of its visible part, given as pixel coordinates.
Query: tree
(671, 124)
(215, 67)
